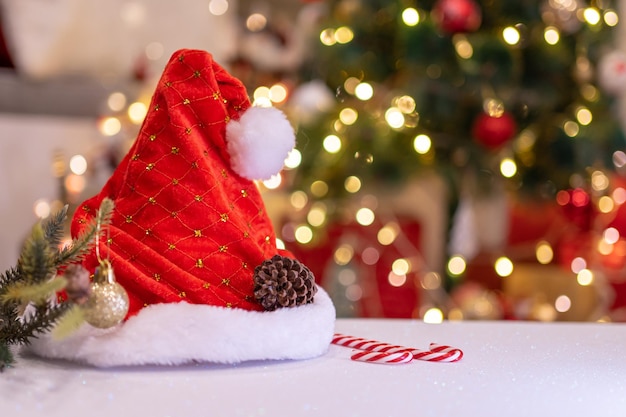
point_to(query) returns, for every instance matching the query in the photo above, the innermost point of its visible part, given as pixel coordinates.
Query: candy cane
(386, 358)
(437, 353)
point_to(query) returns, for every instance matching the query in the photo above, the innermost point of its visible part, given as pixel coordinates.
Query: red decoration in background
(492, 132)
(455, 16)
(380, 298)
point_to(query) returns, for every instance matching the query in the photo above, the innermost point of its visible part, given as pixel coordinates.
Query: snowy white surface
(509, 369)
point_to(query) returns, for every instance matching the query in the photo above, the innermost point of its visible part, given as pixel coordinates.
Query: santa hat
(189, 231)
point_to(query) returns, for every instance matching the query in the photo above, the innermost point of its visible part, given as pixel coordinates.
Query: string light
(394, 117)
(42, 208)
(551, 35)
(294, 159)
(332, 144)
(303, 234)
(343, 254)
(584, 116)
(592, 16)
(584, 277)
(508, 168)
(433, 316)
(422, 144)
(218, 7)
(410, 16)
(256, 22)
(511, 35)
(365, 216)
(348, 116)
(456, 265)
(78, 164)
(110, 126)
(611, 18)
(352, 184)
(503, 266)
(396, 280)
(154, 51)
(319, 188)
(606, 204)
(278, 93)
(343, 35)
(317, 215)
(299, 199)
(562, 303)
(388, 234)
(273, 182)
(462, 46)
(571, 128)
(137, 112)
(116, 101)
(364, 91)
(401, 266)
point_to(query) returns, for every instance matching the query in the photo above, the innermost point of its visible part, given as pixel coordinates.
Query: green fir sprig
(27, 291)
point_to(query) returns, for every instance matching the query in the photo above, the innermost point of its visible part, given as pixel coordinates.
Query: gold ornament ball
(107, 305)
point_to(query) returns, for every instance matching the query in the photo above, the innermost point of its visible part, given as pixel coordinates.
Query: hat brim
(178, 333)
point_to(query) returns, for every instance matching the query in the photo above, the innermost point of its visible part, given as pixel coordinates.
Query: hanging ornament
(108, 302)
(492, 131)
(612, 72)
(453, 16)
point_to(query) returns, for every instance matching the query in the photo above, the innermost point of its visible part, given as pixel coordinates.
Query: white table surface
(509, 369)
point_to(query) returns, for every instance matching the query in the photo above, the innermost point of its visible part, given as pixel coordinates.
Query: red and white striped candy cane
(379, 357)
(437, 353)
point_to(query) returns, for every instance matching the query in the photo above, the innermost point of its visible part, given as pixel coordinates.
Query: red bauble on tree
(493, 131)
(455, 16)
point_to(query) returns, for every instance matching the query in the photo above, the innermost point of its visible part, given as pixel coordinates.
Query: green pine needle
(68, 323)
(54, 227)
(37, 261)
(6, 357)
(22, 292)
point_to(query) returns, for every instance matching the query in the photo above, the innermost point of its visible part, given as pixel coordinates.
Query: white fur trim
(177, 333)
(259, 142)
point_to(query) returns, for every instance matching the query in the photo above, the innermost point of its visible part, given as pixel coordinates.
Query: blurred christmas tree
(491, 95)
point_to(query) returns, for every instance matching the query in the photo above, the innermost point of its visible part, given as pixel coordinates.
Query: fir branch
(9, 276)
(23, 292)
(54, 227)
(6, 357)
(37, 261)
(82, 244)
(42, 321)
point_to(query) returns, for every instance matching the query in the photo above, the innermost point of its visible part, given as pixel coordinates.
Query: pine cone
(283, 282)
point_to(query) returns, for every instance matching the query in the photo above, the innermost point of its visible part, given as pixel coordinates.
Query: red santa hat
(189, 231)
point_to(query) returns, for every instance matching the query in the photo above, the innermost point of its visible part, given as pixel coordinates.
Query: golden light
(280, 244)
(352, 184)
(343, 254)
(584, 277)
(137, 112)
(410, 16)
(456, 265)
(592, 15)
(394, 117)
(619, 195)
(261, 92)
(584, 116)
(350, 84)
(493, 107)
(370, 256)
(508, 168)
(218, 7)
(589, 92)
(294, 158)
(396, 280)
(578, 264)
(278, 93)
(256, 22)
(75, 183)
(599, 181)
(364, 91)
(344, 34)
(610, 235)
(317, 215)
(116, 101)
(319, 188)
(503, 266)
(571, 128)
(406, 104)
(299, 199)
(562, 303)
(431, 281)
(348, 116)
(78, 164)
(551, 35)
(388, 234)
(401, 266)
(433, 316)
(332, 144)
(42, 208)
(303, 234)
(422, 144)
(110, 126)
(462, 46)
(619, 159)
(606, 204)
(611, 18)
(544, 252)
(327, 37)
(604, 248)
(365, 216)
(511, 35)
(273, 182)
(154, 50)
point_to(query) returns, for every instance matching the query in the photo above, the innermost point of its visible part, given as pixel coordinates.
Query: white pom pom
(258, 143)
